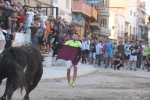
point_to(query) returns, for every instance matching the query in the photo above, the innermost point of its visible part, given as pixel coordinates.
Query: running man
(73, 43)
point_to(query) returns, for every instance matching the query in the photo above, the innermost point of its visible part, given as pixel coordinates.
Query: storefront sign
(92, 1)
(78, 19)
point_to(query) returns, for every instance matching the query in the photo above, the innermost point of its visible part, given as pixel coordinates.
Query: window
(104, 23)
(134, 14)
(121, 28)
(67, 4)
(118, 28)
(133, 30)
(131, 12)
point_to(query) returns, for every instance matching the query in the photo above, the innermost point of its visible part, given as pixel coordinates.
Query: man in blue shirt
(26, 25)
(40, 35)
(108, 48)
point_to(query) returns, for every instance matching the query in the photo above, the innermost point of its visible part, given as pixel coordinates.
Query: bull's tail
(21, 79)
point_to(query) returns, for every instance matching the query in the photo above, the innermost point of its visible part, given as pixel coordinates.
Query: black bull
(22, 66)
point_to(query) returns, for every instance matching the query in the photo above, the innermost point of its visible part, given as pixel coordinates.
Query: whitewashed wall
(67, 14)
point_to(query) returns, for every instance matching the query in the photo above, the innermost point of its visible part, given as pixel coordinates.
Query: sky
(147, 2)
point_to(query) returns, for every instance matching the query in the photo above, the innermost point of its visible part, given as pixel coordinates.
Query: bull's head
(5, 56)
(11, 70)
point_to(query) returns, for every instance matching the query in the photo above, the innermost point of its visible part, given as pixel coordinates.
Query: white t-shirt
(87, 45)
(83, 45)
(98, 49)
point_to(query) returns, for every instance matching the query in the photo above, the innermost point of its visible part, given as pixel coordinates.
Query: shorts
(13, 30)
(86, 51)
(69, 64)
(41, 42)
(52, 40)
(144, 57)
(126, 57)
(133, 58)
(92, 56)
(106, 55)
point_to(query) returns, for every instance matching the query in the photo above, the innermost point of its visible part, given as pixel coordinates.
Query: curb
(61, 78)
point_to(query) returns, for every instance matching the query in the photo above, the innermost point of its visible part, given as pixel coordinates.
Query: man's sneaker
(135, 69)
(73, 85)
(68, 84)
(130, 69)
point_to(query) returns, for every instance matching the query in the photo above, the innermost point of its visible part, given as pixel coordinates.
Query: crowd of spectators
(44, 34)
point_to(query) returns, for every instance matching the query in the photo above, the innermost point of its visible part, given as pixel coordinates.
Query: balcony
(103, 31)
(104, 11)
(121, 35)
(142, 22)
(95, 25)
(127, 19)
(93, 13)
(82, 8)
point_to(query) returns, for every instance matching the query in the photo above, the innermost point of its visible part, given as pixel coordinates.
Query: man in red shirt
(20, 20)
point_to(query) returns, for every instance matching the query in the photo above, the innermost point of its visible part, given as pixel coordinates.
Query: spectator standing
(108, 47)
(92, 52)
(57, 40)
(98, 52)
(120, 48)
(83, 50)
(2, 20)
(133, 56)
(146, 52)
(52, 36)
(34, 39)
(46, 37)
(51, 19)
(40, 35)
(12, 23)
(71, 29)
(87, 48)
(26, 25)
(8, 37)
(127, 54)
(139, 55)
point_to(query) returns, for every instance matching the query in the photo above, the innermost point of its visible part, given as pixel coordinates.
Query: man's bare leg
(68, 75)
(20, 26)
(74, 74)
(9, 23)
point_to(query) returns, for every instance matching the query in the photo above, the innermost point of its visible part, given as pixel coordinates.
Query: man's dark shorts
(41, 42)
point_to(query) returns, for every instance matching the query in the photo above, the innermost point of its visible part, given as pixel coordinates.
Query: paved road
(104, 84)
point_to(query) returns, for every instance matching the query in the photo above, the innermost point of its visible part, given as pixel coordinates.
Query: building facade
(103, 20)
(64, 7)
(86, 15)
(141, 21)
(127, 27)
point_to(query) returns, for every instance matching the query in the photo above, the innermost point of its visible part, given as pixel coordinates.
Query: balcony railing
(103, 31)
(81, 7)
(142, 22)
(104, 10)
